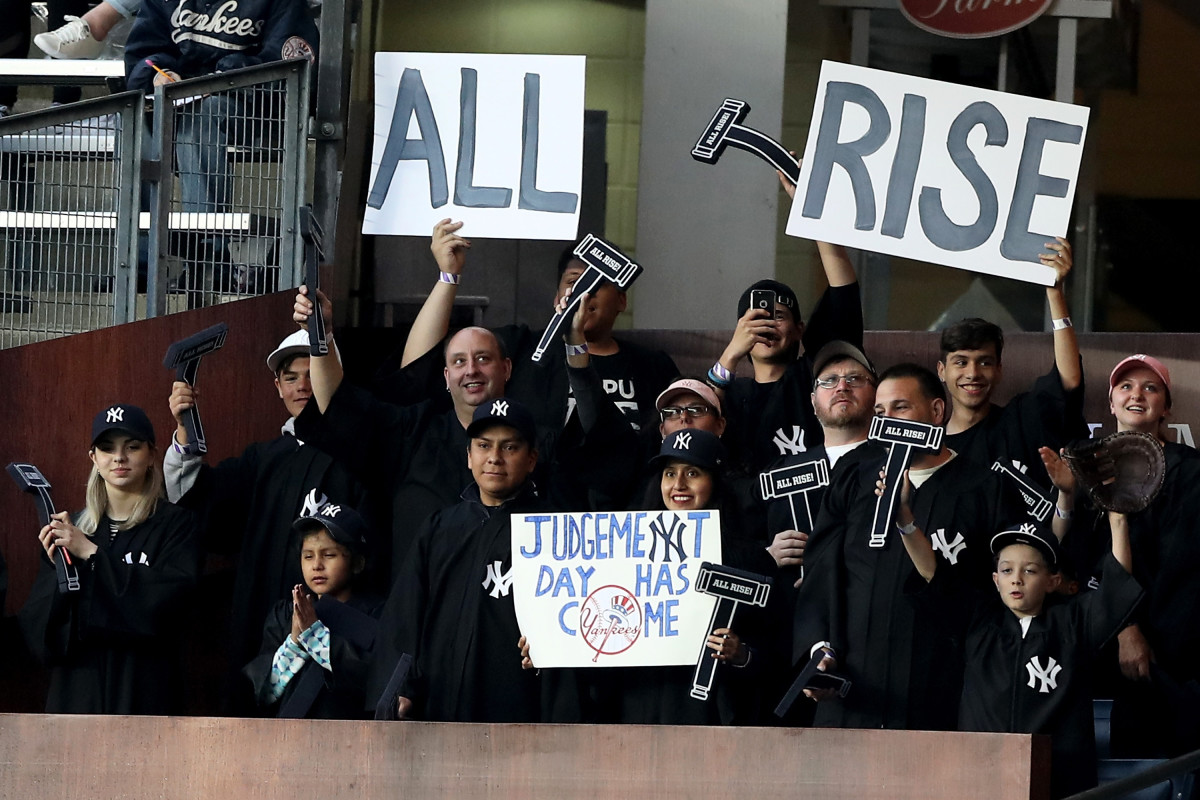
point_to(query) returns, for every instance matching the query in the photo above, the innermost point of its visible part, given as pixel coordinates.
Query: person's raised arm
(325, 372)
(1066, 346)
(915, 541)
(834, 259)
(1064, 481)
(433, 320)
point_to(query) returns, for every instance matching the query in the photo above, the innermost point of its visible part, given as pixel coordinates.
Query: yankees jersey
(113, 647)
(197, 37)
(905, 673)
(1046, 416)
(768, 420)
(1039, 680)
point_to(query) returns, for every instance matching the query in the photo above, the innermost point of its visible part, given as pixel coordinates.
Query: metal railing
(220, 174)
(69, 185)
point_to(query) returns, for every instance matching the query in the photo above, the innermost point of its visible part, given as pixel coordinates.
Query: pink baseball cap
(1141, 360)
(685, 386)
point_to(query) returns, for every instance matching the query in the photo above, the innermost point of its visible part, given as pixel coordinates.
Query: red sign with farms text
(972, 19)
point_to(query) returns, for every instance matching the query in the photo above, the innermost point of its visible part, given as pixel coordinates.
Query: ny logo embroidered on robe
(948, 549)
(790, 446)
(500, 582)
(1048, 676)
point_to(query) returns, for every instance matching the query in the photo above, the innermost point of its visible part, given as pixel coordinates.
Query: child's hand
(303, 612)
(728, 647)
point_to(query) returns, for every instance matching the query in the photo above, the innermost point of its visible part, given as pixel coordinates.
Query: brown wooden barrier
(50, 391)
(49, 756)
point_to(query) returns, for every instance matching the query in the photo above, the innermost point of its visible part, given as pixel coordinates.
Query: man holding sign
(456, 587)
(852, 600)
(1051, 415)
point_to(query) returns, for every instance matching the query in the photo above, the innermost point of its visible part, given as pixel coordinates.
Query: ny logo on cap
(500, 408)
(312, 503)
(115, 414)
(683, 441)
(331, 510)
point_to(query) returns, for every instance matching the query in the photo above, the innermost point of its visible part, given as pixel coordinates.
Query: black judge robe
(905, 673)
(1039, 681)
(113, 646)
(249, 503)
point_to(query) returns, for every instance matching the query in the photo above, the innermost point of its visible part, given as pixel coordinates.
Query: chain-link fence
(69, 190)
(219, 173)
(226, 213)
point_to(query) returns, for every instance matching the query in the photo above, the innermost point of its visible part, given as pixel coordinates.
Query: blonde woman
(111, 646)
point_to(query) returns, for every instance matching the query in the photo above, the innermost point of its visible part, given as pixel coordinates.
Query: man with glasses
(852, 602)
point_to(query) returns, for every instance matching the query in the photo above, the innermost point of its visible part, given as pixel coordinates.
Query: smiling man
(852, 599)
(631, 375)
(412, 453)
(1049, 415)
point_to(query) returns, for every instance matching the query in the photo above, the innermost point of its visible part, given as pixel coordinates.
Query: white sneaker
(73, 40)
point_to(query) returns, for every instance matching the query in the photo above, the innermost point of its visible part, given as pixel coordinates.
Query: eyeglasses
(673, 412)
(853, 381)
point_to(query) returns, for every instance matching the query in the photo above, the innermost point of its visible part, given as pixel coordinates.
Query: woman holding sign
(690, 468)
(109, 643)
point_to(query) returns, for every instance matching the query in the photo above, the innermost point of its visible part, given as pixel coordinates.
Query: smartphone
(764, 299)
(824, 680)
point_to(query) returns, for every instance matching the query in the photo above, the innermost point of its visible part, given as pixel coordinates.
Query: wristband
(577, 349)
(721, 373)
(1061, 513)
(1061, 324)
(907, 529)
(446, 277)
(716, 381)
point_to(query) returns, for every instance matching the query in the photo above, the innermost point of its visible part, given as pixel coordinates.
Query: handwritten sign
(493, 140)
(613, 589)
(968, 178)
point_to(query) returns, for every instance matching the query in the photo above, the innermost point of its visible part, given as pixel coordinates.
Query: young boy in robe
(1029, 657)
(316, 645)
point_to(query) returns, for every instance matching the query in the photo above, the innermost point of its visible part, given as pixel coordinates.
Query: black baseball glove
(1121, 472)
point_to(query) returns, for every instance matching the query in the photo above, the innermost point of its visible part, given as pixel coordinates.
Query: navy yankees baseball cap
(692, 446)
(1040, 539)
(345, 525)
(504, 411)
(125, 418)
(783, 295)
